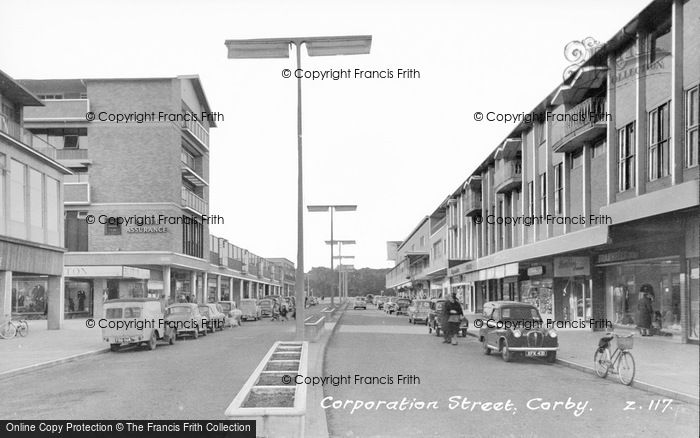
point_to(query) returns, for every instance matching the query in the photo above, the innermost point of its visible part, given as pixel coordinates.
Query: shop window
(78, 298)
(658, 142)
(692, 140)
(625, 162)
(29, 295)
(660, 44)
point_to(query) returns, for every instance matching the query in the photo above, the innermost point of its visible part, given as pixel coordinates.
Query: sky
(396, 147)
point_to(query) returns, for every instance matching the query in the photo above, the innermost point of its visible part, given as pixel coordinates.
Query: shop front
(572, 286)
(661, 254)
(29, 296)
(537, 288)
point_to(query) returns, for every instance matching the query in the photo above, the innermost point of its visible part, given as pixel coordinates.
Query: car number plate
(535, 353)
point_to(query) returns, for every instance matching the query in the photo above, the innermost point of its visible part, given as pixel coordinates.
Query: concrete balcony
(40, 145)
(196, 132)
(76, 189)
(472, 202)
(58, 110)
(508, 176)
(584, 123)
(193, 202)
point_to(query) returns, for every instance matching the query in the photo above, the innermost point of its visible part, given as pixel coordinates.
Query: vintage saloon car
(419, 311)
(402, 305)
(250, 309)
(513, 328)
(134, 321)
(186, 319)
(435, 318)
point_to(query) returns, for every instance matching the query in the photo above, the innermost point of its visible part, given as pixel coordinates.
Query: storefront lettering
(535, 270)
(617, 256)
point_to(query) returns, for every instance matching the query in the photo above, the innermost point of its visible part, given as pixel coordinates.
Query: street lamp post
(332, 208)
(343, 272)
(279, 48)
(340, 258)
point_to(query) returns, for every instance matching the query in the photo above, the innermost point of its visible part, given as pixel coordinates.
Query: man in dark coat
(452, 317)
(645, 311)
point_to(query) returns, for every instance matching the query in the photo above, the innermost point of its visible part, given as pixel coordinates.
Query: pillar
(677, 126)
(5, 294)
(99, 288)
(611, 139)
(193, 286)
(549, 171)
(640, 133)
(240, 289)
(218, 288)
(167, 288)
(56, 300)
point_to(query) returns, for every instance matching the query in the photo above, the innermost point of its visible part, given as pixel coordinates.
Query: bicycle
(9, 329)
(621, 360)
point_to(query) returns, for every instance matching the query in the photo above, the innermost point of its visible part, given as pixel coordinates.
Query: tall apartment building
(31, 214)
(136, 152)
(594, 197)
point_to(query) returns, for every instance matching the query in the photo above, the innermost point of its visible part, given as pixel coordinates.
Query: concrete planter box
(313, 327)
(277, 404)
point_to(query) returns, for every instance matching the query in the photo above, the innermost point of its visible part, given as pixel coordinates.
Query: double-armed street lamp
(331, 208)
(279, 48)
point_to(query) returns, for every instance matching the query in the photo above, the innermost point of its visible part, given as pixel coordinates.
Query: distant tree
(361, 282)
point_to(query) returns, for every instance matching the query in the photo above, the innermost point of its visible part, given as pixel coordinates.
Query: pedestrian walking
(452, 315)
(283, 313)
(275, 311)
(645, 310)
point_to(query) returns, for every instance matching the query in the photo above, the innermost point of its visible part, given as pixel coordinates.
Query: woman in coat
(452, 314)
(645, 311)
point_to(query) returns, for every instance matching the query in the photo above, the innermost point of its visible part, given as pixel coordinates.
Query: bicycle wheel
(22, 328)
(625, 368)
(8, 330)
(601, 362)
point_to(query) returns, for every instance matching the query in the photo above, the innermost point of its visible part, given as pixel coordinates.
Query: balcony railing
(10, 127)
(71, 154)
(197, 130)
(508, 176)
(58, 109)
(194, 202)
(76, 189)
(584, 123)
(435, 227)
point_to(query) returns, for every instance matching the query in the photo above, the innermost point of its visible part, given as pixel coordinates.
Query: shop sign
(571, 266)
(617, 256)
(535, 271)
(105, 271)
(156, 230)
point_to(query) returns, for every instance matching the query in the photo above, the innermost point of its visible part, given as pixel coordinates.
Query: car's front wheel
(153, 342)
(114, 347)
(505, 352)
(551, 356)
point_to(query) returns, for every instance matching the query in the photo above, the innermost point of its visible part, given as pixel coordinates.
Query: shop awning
(106, 272)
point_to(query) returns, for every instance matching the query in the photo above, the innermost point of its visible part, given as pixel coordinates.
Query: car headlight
(552, 333)
(517, 333)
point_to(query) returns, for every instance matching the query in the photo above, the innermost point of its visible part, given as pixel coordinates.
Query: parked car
(390, 305)
(126, 323)
(435, 318)
(250, 309)
(231, 312)
(359, 303)
(187, 320)
(369, 298)
(266, 305)
(215, 319)
(513, 328)
(419, 311)
(402, 305)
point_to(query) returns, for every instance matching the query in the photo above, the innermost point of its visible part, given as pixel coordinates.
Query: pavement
(663, 365)
(43, 348)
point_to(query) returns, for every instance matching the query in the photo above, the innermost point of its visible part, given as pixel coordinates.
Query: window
(53, 206)
(660, 44)
(539, 133)
(543, 193)
(691, 127)
(658, 142)
(113, 228)
(558, 189)
(55, 96)
(36, 207)
(625, 161)
(71, 142)
(531, 198)
(3, 207)
(18, 207)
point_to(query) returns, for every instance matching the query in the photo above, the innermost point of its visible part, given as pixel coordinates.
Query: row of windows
(34, 203)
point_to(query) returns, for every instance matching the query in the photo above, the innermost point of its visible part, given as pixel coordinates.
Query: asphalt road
(192, 379)
(371, 344)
